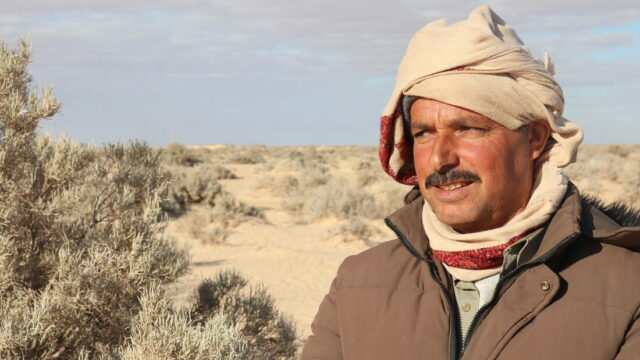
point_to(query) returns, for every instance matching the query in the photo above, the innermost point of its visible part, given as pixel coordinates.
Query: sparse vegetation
(85, 261)
(367, 174)
(313, 195)
(178, 154)
(83, 256)
(307, 159)
(222, 173)
(335, 198)
(245, 155)
(214, 236)
(160, 333)
(200, 187)
(355, 229)
(609, 171)
(270, 335)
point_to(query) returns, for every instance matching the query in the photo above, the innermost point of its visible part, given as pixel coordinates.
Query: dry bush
(160, 333)
(292, 186)
(356, 229)
(200, 225)
(178, 154)
(360, 153)
(269, 334)
(204, 171)
(81, 243)
(608, 171)
(201, 187)
(246, 155)
(214, 235)
(336, 198)
(295, 159)
(222, 173)
(195, 223)
(313, 192)
(367, 174)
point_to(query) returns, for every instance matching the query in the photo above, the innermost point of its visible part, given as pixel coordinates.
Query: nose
(443, 153)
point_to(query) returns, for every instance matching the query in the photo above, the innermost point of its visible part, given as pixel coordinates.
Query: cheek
(499, 164)
(487, 160)
(421, 156)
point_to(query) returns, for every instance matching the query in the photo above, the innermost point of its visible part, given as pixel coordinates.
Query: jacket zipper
(457, 345)
(454, 320)
(500, 290)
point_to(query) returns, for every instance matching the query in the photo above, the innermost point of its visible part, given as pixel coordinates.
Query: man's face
(475, 173)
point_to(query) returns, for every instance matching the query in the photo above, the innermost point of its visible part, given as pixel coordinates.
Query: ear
(537, 135)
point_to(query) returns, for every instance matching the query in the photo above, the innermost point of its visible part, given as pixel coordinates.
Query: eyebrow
(457, 122)
(419, 126)
(463, 122)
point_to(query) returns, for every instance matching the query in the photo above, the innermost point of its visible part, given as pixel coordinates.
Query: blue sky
(281, 72)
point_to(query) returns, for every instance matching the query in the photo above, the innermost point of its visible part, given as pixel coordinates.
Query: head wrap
(479, 64)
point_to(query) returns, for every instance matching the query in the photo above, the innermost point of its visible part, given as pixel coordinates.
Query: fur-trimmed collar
(622, 213)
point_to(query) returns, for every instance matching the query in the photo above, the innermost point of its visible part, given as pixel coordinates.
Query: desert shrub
(178, 154)
(78, 230)
(295, 159)
(269, 334)
(159, 333)
(609, 172)
(200, 224)
(201, 187)
(246, 155)
(195, 223)
(207, 171)
(355, 229)
(315, 193)
(367, 174)
(81, 244)
(214, 235)
(222, 173)
(292, 186)
(245, 160)
(336, 198)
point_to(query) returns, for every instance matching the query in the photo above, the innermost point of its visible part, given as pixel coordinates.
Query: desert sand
(297, 261)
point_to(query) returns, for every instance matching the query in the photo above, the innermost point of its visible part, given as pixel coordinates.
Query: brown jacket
(578, 298)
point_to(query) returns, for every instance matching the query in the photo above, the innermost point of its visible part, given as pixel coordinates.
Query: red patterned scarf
(484, 258)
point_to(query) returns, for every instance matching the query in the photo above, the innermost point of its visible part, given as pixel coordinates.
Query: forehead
(432, 112)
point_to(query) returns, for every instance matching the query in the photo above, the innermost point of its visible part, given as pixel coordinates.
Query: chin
(457, 218)
(458, 224)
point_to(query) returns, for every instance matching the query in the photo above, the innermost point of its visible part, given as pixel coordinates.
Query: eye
(422, 133)
(472, 128)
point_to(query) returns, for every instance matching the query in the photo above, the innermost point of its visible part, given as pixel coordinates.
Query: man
(498, 256)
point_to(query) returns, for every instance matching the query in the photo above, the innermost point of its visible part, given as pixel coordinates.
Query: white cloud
(250, 37)
(59, 6)
(125, 45)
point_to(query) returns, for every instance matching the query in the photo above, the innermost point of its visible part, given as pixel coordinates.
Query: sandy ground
(295, 262)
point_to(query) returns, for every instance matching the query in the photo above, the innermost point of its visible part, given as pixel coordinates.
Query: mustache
(439, 178)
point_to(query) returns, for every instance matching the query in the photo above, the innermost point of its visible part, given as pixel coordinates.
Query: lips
(453, 186)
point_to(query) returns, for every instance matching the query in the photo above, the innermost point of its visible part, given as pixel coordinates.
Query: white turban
(479, 64)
